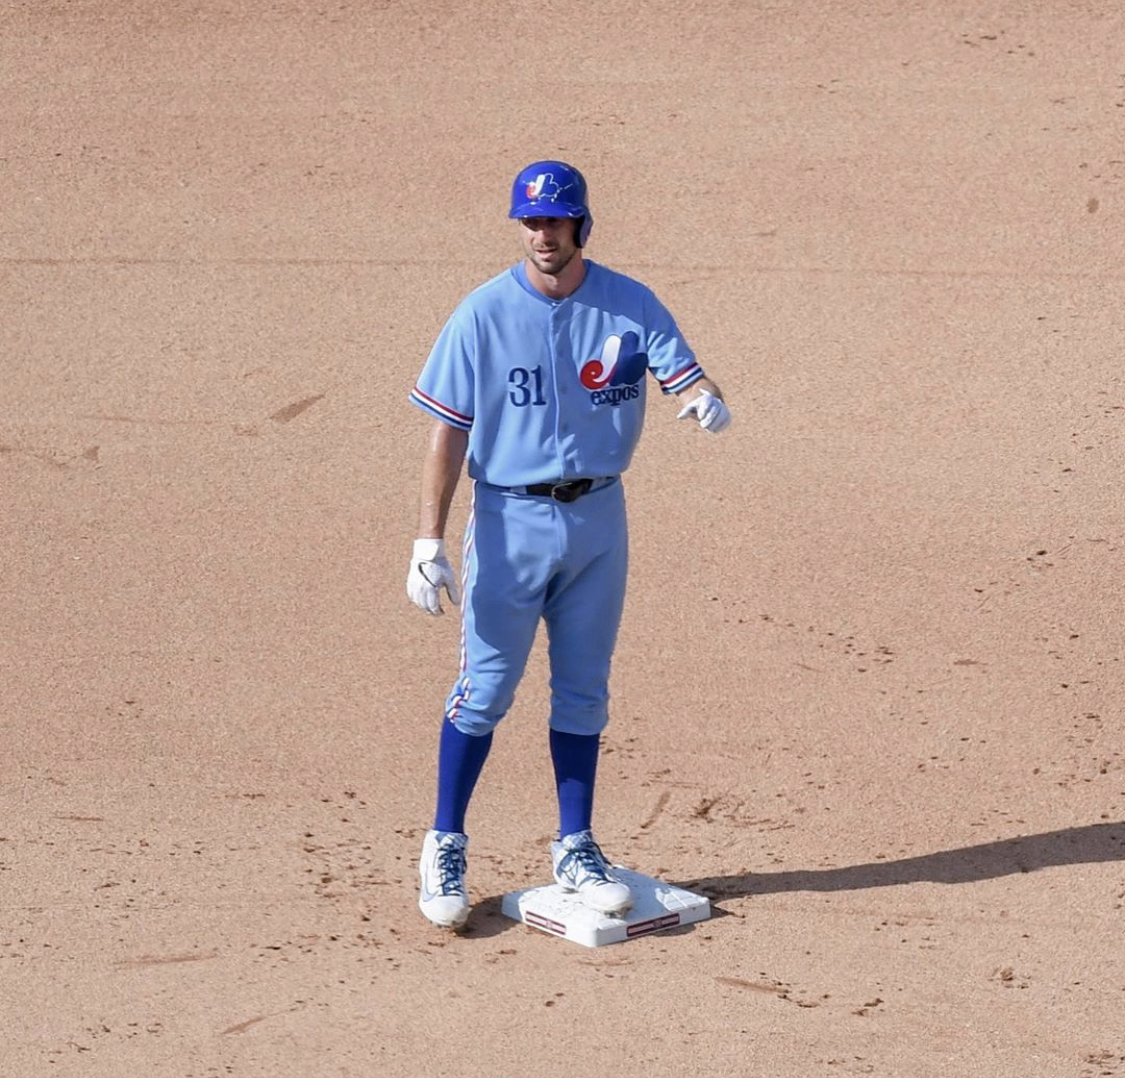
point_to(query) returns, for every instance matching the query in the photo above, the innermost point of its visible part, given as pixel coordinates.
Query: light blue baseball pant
(529, 557)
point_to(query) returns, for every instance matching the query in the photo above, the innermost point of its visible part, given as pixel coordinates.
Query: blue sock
(460, 759)
(575, 758)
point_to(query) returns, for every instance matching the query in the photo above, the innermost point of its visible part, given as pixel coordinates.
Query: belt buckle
(570, 490)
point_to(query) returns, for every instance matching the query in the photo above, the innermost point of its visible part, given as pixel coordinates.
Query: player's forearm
(441, 469)
(703, 384)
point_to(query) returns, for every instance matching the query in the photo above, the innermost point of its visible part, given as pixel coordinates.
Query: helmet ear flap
(582, 232)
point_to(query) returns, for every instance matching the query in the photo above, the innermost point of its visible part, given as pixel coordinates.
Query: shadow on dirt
(1093, 844)
(487, 919)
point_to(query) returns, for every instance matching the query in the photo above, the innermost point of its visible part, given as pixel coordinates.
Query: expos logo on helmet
(614, 376)
(543, 187)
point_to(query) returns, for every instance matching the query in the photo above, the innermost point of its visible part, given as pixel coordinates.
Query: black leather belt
(562, 491)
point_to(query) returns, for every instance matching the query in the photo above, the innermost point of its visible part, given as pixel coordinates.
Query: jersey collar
(519, 272)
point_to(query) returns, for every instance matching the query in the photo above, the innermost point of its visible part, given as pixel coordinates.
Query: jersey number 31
(526, 386)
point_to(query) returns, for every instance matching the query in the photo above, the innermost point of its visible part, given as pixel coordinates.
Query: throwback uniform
(549, 392)
(540, 378)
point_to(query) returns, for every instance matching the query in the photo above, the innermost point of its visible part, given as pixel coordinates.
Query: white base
(656, 906)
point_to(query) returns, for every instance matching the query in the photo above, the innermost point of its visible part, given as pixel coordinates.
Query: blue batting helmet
(552, 189)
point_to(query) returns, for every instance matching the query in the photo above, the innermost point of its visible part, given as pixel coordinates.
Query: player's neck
(561, 285)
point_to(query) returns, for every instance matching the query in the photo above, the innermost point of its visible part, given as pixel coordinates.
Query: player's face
(549, 242)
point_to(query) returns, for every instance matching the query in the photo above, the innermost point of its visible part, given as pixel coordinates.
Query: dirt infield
(867, 695)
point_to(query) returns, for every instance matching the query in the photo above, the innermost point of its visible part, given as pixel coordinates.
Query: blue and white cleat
(444, 899)
(580, 866)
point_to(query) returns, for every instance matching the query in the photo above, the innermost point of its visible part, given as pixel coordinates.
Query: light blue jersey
(552, 389)
(548, 391)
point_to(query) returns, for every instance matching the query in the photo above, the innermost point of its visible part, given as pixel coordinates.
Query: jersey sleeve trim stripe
(683, 379)
(442, 411)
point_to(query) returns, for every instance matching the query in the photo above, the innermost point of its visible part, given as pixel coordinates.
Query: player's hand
(430, 571)
(712, 413)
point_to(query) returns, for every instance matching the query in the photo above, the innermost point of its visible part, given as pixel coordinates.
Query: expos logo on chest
(614, 376)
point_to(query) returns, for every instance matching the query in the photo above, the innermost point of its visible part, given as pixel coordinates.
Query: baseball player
(538, 381)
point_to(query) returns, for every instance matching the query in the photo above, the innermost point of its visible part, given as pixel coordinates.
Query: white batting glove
(712, 413)
(430, 571)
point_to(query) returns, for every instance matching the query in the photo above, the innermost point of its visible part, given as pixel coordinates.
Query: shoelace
(590, 860)
(451, 870)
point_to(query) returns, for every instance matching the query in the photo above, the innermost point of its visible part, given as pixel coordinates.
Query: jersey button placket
(558, 355)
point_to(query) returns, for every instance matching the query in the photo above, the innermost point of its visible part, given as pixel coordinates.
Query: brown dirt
(868, 685)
